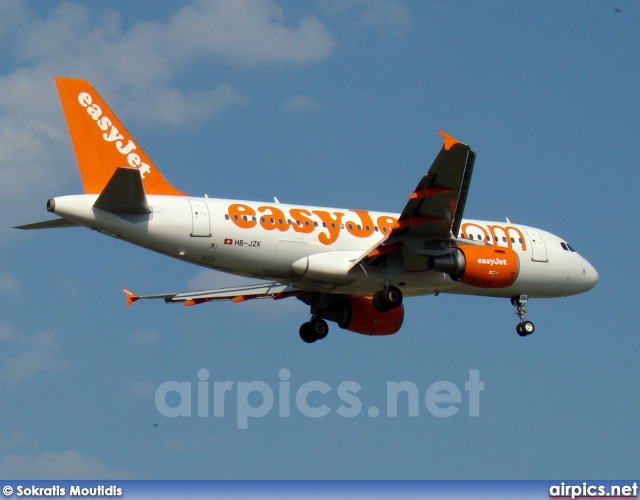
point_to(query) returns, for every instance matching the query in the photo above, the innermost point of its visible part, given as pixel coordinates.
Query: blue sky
(336, 103)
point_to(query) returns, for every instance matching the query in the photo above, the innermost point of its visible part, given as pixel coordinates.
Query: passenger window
(262, 219)
(324, 224)
(315, 223)
(235, 217)
(367, 228)
(520, 240)
(471, 236)
(513, 240)
(375, 228)
(384, 229)
(226, 216)
(504, 240)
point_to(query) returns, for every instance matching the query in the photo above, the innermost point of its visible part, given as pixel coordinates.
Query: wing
(436, 206)
(272, 290)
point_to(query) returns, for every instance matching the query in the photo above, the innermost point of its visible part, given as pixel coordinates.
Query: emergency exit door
(200, 218)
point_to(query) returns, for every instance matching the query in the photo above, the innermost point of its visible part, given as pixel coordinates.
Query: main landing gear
(324, 305)
(316, 328)
(313, 330)
(525, 327)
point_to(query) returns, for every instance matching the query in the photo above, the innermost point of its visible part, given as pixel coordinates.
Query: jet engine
(357, 314)
(479, 266)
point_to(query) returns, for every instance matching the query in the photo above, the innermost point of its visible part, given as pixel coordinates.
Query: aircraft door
(538, 248)
(200, 218)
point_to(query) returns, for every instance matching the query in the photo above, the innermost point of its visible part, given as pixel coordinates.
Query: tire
(379, 303)
(520, 331)
(528, 328)
(393, 297)
(388, 298)
(307, 334)
(320, 328)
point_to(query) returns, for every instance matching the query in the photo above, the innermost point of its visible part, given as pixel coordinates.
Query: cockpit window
(564, 246)
(570, 248)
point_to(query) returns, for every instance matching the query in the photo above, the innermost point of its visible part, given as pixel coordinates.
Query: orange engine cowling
(480, 266)
(489, 266)
(357, 314)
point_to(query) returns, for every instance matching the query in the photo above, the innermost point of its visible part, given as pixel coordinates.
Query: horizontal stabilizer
(235, 294)
(124, 194)
(48, 224)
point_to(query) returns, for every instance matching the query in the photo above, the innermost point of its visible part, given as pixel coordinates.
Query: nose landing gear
(525, 327)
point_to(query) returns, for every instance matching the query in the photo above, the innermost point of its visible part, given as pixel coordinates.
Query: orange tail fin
(101, 142)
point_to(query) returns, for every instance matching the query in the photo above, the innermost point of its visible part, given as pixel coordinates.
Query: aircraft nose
(590, 274)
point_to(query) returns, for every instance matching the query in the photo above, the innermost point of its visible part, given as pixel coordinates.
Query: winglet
(448, 140)
(131, 297)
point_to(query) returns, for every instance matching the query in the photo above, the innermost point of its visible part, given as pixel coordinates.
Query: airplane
(352, 267)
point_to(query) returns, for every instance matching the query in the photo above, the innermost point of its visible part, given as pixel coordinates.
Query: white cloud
(247, 31)
(134, 66)
(68, 465)
(299, 104)
(384, 16)
(25, 356)
(177, 108)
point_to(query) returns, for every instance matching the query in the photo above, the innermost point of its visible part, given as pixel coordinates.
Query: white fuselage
(314, 247)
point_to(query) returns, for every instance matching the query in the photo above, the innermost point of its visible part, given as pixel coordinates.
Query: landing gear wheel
(316, 329)
(388, 298)
(527, 327)
(320, 328)
(306, 333)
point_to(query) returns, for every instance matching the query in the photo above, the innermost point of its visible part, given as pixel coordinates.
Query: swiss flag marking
(228, 241)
